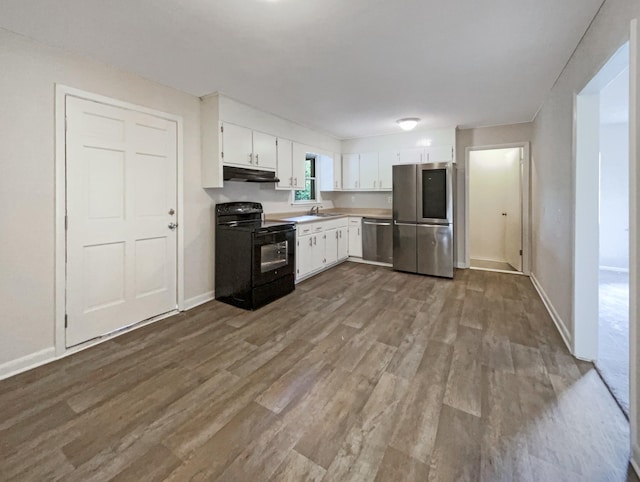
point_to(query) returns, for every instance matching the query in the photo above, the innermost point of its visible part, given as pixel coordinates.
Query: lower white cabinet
(320, 245)
(355, 236)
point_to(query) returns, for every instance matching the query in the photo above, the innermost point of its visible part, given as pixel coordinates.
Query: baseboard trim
(560, 325)
(198, 300)
(28, 362)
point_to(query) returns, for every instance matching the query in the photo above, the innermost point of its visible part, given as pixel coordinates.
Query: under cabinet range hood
(248, 175)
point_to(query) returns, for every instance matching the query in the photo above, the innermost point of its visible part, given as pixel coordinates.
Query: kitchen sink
(327, 215)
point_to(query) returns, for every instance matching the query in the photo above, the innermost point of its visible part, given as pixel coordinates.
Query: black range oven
(255, 260)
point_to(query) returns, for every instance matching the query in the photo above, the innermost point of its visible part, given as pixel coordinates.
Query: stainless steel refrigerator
(423, 218)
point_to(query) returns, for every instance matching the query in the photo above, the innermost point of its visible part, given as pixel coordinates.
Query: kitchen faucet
(314, 210)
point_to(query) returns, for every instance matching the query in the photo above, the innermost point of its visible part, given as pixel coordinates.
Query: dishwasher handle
(376, 224)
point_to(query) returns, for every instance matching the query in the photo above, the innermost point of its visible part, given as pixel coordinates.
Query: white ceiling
(348, 67)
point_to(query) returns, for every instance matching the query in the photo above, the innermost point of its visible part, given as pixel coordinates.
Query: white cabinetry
(330, 168)
(320, 245)
(368, 171)
(284, 169)
(237, 145)
(355, 236)
(264, 150)
(291, 159)
(343, 243)
(331, 246)
(350, 171)
(247, 148)
(385, 170)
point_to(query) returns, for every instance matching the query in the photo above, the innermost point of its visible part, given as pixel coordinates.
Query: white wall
(28, 75)
(614, 195)
(553, 166)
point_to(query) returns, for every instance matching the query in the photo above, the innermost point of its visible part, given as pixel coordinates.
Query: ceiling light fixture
(408, 123)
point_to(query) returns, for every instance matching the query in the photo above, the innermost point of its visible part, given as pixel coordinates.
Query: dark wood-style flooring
(362, 373)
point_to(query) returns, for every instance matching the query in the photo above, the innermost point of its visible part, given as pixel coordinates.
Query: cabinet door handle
(250, 158)
(295, 181)
(310, 241)
(336, 234)
(315, 241)
(340, 234)
(290, 181)
(257, 159)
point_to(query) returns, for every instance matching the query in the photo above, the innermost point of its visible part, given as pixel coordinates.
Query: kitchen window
(309, 194)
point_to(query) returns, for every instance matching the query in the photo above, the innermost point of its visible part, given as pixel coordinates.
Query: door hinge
(222, 129)
(222, 154)
(520, 252)
(66, 320)
(66, 222)
(276, 142)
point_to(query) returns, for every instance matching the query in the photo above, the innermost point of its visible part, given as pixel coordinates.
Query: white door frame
(62, 91)
(526, 206)
(634, 250)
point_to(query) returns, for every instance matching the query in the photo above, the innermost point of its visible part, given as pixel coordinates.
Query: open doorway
(602, 221)
(495, 219)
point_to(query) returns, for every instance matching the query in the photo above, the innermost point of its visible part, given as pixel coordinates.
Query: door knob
(173, 226)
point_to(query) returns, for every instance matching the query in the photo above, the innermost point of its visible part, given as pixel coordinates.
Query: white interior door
(121, 199)
(513, 208)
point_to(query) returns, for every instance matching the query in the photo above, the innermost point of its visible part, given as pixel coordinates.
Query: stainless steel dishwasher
(377, 240)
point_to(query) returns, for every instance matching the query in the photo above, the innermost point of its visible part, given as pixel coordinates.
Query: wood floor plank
(456, 451)
(361, 373)
(397, 465)
(419, 410)
(297, 467)
(463, 390)
(364, 446)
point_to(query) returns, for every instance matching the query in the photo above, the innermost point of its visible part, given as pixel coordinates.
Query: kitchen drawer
(309, 228)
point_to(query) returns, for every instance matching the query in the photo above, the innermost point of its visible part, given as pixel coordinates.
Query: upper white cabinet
(330, 169)
(439, 154)
(264, 150)
(284, 164)
(385, 170)
(237, 145)
(350, 171)
(247, 148)
(291, 158)
(299, 158)
(368, 171)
